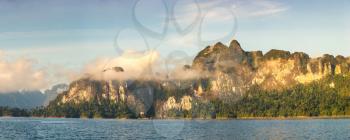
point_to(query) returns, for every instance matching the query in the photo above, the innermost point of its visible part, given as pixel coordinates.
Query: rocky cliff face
(237, 69)
(229, 69)
(226, 71)
(85, 90)
(139, 96)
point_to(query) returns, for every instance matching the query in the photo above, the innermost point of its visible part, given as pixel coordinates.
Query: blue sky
(29, 28)
(73, 33)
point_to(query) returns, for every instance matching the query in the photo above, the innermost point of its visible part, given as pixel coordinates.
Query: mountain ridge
(280, 64)
(227, 72)
(31, 99)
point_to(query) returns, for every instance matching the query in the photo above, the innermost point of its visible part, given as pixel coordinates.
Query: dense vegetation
(327, 97)
(15, 112)
(86, 110)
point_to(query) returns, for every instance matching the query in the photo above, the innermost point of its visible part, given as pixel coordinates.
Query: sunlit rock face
(224, 71)
(228, 69)
(343, 65)
(86, 90)
(173, 105)
(182, 104)
(280, 69)
(232, 70)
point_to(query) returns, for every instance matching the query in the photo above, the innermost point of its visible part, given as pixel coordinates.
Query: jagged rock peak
(340, 59)
(234, 45)
(254, 58)
(300, 56)
(275, 54)
(255, 53)
(328, 58)
(218, 46)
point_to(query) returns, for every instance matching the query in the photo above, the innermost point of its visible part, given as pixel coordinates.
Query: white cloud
(139, 65)
(20, 74)
(242, 8)
(26, 74)
(259, 8)
(134, 64)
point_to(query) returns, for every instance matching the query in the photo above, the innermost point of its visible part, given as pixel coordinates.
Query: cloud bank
(20, 74)
(148, 65)
(135, 65)
(26, 74)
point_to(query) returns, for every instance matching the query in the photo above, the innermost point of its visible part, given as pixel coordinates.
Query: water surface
(49, 128)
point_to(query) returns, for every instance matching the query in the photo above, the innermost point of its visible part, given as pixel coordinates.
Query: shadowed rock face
(255, 58)
(236, 52)
(301, 60)
(276, 54)
(210, 56)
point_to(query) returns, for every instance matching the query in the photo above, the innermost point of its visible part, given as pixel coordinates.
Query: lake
(52, 128)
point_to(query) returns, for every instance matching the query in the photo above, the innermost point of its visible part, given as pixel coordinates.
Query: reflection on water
(38, 128)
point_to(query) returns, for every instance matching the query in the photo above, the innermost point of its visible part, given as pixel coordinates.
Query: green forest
(327, 97)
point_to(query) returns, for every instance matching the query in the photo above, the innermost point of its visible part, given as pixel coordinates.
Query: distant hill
(30, 99)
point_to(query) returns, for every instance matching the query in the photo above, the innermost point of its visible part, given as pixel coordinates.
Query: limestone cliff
(226, 71)
(231, 69)
(86, 90)
(139, 96)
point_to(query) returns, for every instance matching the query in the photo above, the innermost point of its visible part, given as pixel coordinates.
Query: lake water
(38, 128)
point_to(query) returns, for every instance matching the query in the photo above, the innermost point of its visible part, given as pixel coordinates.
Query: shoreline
(294, 118)
(203, 119)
